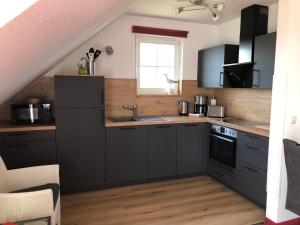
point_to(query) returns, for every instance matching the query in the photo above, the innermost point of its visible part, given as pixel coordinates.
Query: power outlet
(293, 120)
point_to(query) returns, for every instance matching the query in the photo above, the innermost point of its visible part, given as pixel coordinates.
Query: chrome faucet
(132, 108)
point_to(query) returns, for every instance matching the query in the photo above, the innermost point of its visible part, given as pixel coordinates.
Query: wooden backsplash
(249, 104)
(123, 91)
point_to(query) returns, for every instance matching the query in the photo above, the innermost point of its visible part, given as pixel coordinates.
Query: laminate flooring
(191, 201)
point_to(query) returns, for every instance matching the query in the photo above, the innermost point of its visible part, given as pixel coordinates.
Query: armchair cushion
(52, 186)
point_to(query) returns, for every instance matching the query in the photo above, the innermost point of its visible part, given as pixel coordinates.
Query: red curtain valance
(159, 31)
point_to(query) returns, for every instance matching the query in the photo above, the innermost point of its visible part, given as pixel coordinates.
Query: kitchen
(154, 145)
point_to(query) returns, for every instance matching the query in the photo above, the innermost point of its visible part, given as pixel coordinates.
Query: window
(158, 65)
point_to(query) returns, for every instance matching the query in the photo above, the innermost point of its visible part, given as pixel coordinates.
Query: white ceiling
(167, 9)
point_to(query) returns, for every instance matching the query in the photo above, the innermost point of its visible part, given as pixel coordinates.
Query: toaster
(217, 111)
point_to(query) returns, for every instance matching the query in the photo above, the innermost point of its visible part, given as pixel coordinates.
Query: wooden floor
(191, 201)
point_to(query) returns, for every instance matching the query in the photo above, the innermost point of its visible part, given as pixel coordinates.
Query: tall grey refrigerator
(80, 132)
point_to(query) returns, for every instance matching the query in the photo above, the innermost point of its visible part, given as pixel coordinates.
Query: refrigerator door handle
(102, 96)
(103, 117)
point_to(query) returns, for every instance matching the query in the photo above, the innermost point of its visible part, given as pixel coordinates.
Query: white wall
(285, 105)
(229, 32)
(120, 37)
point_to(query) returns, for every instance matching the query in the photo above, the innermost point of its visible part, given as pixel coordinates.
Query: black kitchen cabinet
(210, 64)
(252, 162)
(80, 130)
(126, 154)
(192, 144)
(162, 151)
(264, 59)
(79, 91)
(26, 149)
(81, 148)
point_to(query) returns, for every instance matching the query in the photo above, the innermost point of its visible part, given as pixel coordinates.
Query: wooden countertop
(8, 127)
(242, 125)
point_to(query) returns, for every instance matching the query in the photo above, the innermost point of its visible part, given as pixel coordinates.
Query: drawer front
(22, 136)
(225, 177)
(253, 183)
(253, 154)
(28, 154)
(253, 138)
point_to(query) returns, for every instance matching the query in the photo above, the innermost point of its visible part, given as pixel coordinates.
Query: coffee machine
(200, 105)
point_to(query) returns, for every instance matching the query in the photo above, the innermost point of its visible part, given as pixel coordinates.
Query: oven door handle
(223, 138)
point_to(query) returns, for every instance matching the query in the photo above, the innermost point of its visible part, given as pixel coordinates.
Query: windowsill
(158, 95)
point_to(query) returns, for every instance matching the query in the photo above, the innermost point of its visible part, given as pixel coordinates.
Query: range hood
(254, 22)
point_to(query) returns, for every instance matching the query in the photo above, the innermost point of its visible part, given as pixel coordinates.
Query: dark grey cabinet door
(264, 58)
(162, 151)
(26, 154)
(252, 161)
(24, 136)
(191, 148)
(79, 91)
(126, 154)
(81, 148)
(210, 64)
(252, 183)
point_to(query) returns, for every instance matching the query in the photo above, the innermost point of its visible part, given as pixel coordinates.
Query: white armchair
(31, 204)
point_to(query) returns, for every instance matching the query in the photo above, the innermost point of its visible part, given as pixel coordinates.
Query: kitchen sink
(152, 119)
(130, 119)
(123, 119)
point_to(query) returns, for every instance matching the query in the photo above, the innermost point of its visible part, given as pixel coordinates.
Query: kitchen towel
(292, 161)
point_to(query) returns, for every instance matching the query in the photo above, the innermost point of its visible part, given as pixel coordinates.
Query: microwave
(40, 113)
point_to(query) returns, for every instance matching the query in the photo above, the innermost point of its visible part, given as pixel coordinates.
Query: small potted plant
(81, 69)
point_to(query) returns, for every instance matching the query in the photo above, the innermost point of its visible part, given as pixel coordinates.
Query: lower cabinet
(192, 140)
(141, 152)
(249, 178)
(126, 154)
(81, 148)
(26, 149)
(162, 151)
(223, 174)
(252, 162)
(253, 183)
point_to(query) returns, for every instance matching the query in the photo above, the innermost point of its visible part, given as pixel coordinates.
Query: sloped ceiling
(45, 33)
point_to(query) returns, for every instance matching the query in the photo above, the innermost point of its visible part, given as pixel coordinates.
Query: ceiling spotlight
(219, 7)
(216, 17)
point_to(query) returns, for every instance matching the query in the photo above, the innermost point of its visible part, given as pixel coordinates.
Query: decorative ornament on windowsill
(89, 67)
(172, 84)
(194, 5)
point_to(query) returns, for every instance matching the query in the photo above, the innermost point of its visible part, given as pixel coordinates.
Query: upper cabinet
(264, 60)
(256, 74)
(210, 64)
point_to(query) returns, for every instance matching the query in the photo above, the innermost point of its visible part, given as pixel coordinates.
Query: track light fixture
(195, 5)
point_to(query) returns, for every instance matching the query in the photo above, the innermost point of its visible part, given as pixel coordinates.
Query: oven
(223, 144)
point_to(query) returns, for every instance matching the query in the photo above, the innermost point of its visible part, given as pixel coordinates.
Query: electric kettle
(183, 108)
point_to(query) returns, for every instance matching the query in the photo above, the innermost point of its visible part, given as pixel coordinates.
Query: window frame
(156, 39)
